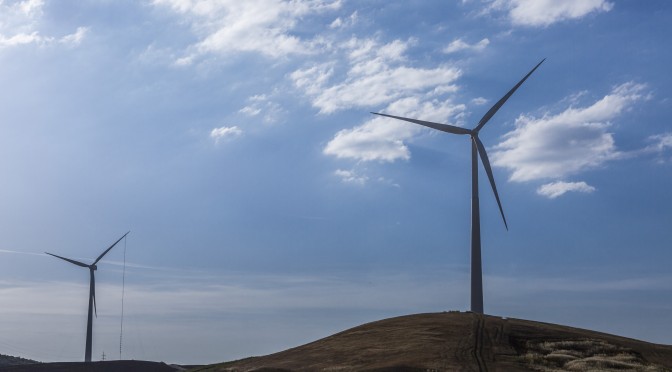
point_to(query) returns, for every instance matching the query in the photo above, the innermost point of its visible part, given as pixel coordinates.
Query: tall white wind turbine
(477, 150)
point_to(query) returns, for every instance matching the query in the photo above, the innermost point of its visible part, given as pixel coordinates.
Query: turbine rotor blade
(442, 127)
(488, 170)
(69, 260)
(108, 249)
(499, 103)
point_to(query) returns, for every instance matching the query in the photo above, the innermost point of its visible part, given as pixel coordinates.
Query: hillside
(456, 341)
(451, 341)
(8, 360)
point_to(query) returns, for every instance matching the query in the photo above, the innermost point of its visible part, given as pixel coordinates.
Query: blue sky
(268, 208)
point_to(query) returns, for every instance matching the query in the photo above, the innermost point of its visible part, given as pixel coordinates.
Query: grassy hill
(456, 341)
(451, 341)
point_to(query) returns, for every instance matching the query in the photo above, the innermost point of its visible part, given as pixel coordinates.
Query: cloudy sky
(269, 208)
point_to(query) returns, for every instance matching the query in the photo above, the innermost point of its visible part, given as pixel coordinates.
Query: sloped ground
(8, 360)
(463, 342)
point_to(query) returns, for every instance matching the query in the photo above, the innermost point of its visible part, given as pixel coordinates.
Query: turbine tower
(477, 149)
(92, 294)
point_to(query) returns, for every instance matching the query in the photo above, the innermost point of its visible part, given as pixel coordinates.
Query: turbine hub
(93, 267)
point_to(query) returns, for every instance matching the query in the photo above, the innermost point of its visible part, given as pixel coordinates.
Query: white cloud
(261, 104)
(376, 76)
(260, 26)
(554, 189)
(19, 25)
(546, 12)
(76, 37)
(460, 45)
(479, 101)
(554, 146)
(250, 110)
(340, 23)
(661, 144)
(225, 132)
(21, 39)
(382, 139)
(19, 22)
(30, 6)
(19, 16)
(337, 23)
(381, 87)
(350, 176)
(372, 141)
(312, 79)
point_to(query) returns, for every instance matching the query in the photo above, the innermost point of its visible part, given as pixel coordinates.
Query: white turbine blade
(488, 170)
(437, 126)
(499, 103)
(108, 249)
(69, 260)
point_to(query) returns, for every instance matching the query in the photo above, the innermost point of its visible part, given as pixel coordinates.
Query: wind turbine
(477, 149)
(92, 294)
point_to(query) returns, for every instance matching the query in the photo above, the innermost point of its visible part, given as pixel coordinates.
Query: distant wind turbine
(92, 294)
(477, 149)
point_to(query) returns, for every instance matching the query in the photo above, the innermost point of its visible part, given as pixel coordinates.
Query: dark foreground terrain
(456, 341)
(109, 366)
(8, 360)
(451, 341)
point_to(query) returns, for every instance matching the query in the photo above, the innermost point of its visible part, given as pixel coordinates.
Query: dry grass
(447, 342)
